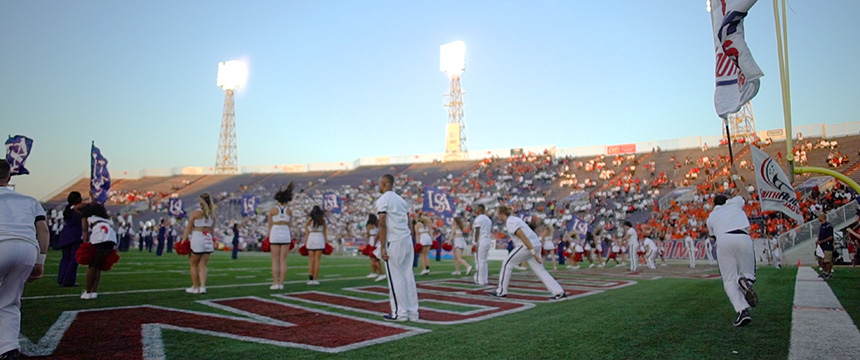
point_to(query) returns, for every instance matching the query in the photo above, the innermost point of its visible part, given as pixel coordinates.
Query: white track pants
(736, 258)
(634, 256)
(650, 257)
(16, 263)
(710, 251)
(691, 252)
(482, 271)
(402, 292)
(518, 255)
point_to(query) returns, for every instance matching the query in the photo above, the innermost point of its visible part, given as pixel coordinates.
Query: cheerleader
(459, 245)
(279, 236)
(576, 252)
(591, 248)
(201, 225)
(315, 241)
(614, 250)
(372, 229)
(422, 230)
(549, 246)
(102, 236)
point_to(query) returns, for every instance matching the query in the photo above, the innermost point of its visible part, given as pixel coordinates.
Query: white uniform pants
(736, 258)
(482, 270)
(650, 257)
(777, 259)
(691, 251)
(16, 263)
(710, 251)
(402, 292)
(634, 256)
(519, 254)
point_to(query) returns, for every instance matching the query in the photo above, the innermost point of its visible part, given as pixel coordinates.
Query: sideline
(820, 327)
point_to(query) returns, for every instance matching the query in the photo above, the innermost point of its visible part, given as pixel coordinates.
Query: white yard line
(820, 327)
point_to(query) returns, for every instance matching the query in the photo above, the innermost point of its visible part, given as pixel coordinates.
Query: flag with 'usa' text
(99, 176)
(249, 205)
(175, 208)
(17, 150)
(737, 74)
(332, 203)
(437, 202)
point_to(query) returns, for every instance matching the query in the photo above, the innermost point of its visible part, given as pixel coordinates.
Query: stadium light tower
(742, 124)
(231, 75)
(453, 63)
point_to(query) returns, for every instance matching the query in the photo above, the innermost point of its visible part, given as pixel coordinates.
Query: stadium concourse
(602, 190)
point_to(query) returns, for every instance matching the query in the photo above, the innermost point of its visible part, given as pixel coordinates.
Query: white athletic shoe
(380, 278)
(201, 290)
(468, 270)
(457, 273)
(570, 266)
(590, 266)
(424, 272)
(280, 286)
(519, 267)
(371, 275)
(316, 282)
(601, 265)
(192, 290)
(86, 296)
(94, 295)
(574, 267)
(273, 287)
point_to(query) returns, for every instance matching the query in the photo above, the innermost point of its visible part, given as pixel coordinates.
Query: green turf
(655, 319)
(846, 287)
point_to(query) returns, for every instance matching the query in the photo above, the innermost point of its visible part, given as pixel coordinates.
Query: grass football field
(672, 312)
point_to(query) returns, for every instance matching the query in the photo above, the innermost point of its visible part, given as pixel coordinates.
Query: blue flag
(17, 150)
(175, 208)
(331, 202)
(435, 201)
(249, 205)
(99, 176)
(578, 226)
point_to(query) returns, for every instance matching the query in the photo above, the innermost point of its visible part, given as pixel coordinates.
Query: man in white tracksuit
(632, 240)
(397, 251)
(651, 251)
(690, 244)
(729, 224)
(24, 239)
(528, 248)
(483, 227)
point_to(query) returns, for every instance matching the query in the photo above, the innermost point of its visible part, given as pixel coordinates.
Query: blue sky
(339, 80)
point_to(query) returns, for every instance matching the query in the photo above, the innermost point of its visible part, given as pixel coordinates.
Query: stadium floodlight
(232, 74)
(453, 58)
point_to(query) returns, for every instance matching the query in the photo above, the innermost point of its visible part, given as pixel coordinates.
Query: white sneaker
(468, 270)
(310, 282)
(94, 295)
(380, 278)
(192, 290)
(570, 266)
(273, 287)
(601, 265)
(201, 290)
(86, 296)
(590, 266)
(519, 267)
(456, 273)
(425, 272)
(316, 282)
(280, 286)
(575, 267)
(371, 275)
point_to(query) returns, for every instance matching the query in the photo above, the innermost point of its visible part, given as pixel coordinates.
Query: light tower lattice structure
(453, 63)
(231, 75)
(742, 124)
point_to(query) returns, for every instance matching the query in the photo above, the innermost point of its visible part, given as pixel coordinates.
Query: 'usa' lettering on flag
(578, 226)
(332, 202)
(249, 205)
(437, 202)
(175, 208)
(99, 176)
(737, 74)
(17, 150)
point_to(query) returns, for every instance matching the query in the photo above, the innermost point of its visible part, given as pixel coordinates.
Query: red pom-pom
(182, 248)
(418, 247)
(447, 247)
(328, 249)
(303, 250)
(474, 248)
(436, 245)
(266, 245)
(640, 253)
(85, 254)
(577, 257)
(567, 253)
(111, 259)
(292, 245)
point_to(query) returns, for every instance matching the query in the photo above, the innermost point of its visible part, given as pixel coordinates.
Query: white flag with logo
(774, 187)
(737, 74)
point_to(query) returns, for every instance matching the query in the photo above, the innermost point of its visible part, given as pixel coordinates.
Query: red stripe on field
(611, 283)
(538, 298)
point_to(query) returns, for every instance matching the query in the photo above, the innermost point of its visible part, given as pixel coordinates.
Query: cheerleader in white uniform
(459, 245)
(279, 236)
(315, 241)
(422, 230)
(201, 225)
(375, 265)
(102, 236)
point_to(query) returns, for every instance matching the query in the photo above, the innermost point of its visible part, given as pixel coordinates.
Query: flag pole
(92, 146)
(729, 138)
